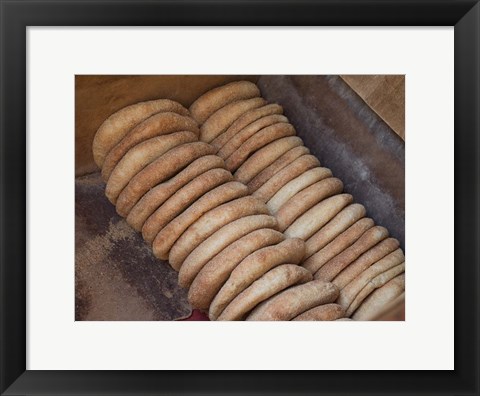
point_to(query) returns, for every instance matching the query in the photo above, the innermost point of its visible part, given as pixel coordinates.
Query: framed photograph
(296, 160)
(222, 197)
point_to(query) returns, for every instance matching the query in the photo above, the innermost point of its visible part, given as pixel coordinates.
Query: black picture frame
(18, 14)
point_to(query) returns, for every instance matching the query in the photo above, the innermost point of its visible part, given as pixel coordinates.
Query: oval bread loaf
(214, 274)
(285, 160)
(216, 98)
(264, 157)
(115, 127)
(242, 136)
(219, 240)
(322, 312)
(182, 199)
(160, 193)
(339, 244)
(156, 125)
(139, 156)
(246, 119)
(289, 251)
(165, 239)
(269, 284)
(340, 223)
(294, 301)
(219, 121)
(364, 261)
(380, 299)
(368, 240)
(211, 221)
(160, 170)
(301, 183)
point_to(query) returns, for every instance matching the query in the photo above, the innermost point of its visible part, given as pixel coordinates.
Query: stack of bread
(230, 196)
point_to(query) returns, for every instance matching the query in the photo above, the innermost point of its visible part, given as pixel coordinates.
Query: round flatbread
(317, 216)
(364, 261)
(160, 193)
(244, 120)
(163, 168)
(350, 292)
(211, 221)
(304, 200)
(338, 245)
(115, 127)
(219, 121)
(343, 220)
(218, 241)
(294, 301)
(290, 251)
(264, 157)
(216, 98)
(214, 274)
(290, 172)
(243, 135)
(368, 240)
(373, 284)
(256, 142)
(139, 156)
(325, 312)
(301, 183)
(390, 294)
(269, 284)
(271, 170)
(156, 125)
(182, 199)
(165, 239)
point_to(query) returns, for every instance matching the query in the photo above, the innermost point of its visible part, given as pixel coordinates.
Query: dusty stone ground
(116, 275)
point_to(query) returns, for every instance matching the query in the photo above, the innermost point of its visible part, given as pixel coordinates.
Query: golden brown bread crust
(163, 168)
(219, 240)
(246, 133)
(374, 283)
(139, 156)
(165, 239)
(338, 244)
(269, 284)
(317, 216)
(294, 301)
(182, 199)
(160, 193)
(377, 302)
(285, 160)
(322, 312)
(219, 121)
(156, 125)
(290, 172)
(244, 120)
(115, 127)
(364, 261)
(297, 185)
(368, 240)
(349, 293)
(215, 273)
(306, 199)
(289, 251)
(216, 98)
(264, 157)
(256, 142)
(211, 221)
(343, 220)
